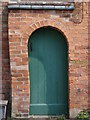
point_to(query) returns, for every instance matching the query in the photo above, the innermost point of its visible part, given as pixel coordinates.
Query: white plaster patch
(74, 112)
(22, 67)
(17, 32)
(65, 19)
(13, 63)
(54, 16)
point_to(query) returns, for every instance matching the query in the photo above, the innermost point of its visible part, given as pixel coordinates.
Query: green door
(48, 69)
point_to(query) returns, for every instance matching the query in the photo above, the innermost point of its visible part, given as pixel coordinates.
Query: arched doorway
(48, 71)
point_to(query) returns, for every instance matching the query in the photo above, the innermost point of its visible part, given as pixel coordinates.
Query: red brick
(27, 21)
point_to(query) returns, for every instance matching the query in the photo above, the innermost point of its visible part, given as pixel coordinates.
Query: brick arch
(54, 24)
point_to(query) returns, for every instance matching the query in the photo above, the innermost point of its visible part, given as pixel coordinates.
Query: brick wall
(74, 25)
(21, 24)
(0, 50)
(6, 75)
(89, 55)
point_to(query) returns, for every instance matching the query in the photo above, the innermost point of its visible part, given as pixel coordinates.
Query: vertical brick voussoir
(34, 26)
(38, 24)
(45, 22)
(41, 23)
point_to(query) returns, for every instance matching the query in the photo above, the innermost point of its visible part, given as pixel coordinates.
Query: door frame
(67, 59)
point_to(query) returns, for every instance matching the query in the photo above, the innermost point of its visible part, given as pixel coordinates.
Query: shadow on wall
(6, 74)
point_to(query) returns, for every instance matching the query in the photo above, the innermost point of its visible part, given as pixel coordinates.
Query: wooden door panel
(48, 68)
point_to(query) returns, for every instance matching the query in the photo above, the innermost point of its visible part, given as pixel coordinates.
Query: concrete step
(39, 118)
(35, 119)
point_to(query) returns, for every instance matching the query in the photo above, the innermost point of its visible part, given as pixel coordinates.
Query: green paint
(48, 68)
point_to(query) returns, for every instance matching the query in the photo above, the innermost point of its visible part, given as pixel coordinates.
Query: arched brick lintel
(54, 24)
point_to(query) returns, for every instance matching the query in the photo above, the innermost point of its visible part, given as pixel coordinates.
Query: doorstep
(39, 118)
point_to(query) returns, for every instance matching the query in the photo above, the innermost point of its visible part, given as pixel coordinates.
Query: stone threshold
(40, 118)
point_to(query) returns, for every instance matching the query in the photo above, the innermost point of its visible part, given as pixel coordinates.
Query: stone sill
(3, 102)
(38, 118)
